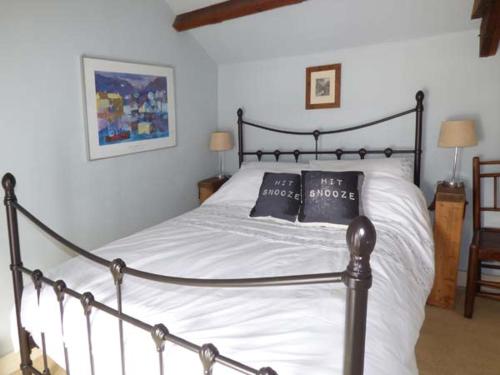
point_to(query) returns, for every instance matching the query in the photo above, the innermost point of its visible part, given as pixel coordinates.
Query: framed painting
(323, 86)
(130, 107)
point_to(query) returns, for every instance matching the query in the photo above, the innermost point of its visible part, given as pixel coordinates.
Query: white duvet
(295, 330)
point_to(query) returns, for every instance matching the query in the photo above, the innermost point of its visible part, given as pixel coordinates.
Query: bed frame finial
(267, 371)
(117, 266)
(8, 184)
(60, 290)
(420, 98)
(36, 278)
(159, 333)
(208, 353)
(87, 300)
(361, 238)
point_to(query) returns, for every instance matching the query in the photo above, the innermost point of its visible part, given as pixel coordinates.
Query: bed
(271, 296)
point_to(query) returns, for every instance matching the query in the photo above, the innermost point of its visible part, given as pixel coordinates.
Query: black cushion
(279, 196)
(330, 197)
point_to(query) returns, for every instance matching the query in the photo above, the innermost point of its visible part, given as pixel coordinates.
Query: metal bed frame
(357, 277)
(362, 152)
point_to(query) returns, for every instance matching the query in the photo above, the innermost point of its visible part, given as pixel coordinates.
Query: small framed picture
(323, 86)
(130, 107)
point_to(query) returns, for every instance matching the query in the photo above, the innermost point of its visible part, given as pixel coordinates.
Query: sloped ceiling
(318, 25)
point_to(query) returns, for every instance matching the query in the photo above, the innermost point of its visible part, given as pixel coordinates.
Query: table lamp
(221, 141)
(457, 134)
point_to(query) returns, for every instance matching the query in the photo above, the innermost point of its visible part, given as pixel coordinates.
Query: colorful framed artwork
(130, 107)
(323, 86)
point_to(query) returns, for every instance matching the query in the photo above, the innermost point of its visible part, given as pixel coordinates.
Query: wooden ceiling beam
(225, 11)
(489, 11)
(479, 8)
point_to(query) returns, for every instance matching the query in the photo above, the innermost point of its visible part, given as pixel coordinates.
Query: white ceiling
(319, 25)
(182, 6)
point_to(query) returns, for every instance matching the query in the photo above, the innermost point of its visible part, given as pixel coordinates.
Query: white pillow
(243, 187)
(396, 167)
(274, 166)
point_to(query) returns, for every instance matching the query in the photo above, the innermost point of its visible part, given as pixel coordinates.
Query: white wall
(43, 132)
(376, 81)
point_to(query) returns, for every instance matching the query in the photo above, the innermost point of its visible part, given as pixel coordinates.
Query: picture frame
(130, 107)
(323, 84)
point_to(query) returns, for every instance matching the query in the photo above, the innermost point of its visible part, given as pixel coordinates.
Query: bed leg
(361, 238)
(9, 183)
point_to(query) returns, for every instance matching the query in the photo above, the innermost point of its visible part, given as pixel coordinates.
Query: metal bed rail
(361, 238)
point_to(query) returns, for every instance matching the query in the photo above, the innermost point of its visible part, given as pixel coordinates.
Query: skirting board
(462, 278)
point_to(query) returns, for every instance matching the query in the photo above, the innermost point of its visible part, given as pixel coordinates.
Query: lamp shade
(221, 141)
(460, 133)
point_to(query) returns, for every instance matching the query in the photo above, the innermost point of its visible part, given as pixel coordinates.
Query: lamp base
(453, 184)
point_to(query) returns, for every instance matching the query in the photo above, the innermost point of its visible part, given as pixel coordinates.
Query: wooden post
(226, 10)
(450, 205)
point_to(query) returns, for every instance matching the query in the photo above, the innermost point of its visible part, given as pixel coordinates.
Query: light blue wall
(377, 80)
(42, 125)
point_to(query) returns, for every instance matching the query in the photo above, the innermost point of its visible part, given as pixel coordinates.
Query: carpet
(450, 344)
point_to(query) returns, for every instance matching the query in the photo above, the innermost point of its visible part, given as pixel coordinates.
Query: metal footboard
(357, 278)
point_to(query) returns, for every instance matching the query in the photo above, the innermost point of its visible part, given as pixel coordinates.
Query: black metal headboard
(388, 152)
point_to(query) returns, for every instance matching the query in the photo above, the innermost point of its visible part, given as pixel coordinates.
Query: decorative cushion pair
(315, 197)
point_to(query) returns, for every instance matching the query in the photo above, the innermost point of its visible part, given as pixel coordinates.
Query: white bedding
(295, 330)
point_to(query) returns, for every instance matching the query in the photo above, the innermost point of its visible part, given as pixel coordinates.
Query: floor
(36, 355)
(449, 344)
(53, 367)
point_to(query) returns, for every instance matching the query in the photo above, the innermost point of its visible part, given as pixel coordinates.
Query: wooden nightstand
(209, 186)
(449, 205)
